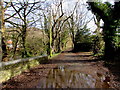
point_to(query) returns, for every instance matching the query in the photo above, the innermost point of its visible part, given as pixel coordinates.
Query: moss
(5, 75)
(33, 63)
(9, 71)
(54, 55)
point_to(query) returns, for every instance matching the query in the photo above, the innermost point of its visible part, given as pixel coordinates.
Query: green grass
(54, 55)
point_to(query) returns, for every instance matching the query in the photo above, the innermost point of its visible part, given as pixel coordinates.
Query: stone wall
(16, 67)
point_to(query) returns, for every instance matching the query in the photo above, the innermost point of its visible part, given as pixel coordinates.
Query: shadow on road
(78, 55)
(69, 57)
(72, 61)
(115, 70)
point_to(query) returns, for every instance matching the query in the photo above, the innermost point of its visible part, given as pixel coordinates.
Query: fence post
(1, 1)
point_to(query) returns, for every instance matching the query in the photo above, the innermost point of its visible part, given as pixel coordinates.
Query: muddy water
(69, 77)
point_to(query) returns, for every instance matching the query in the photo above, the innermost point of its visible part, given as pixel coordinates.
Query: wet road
(67, 70)
(75, 71)
(67, 78)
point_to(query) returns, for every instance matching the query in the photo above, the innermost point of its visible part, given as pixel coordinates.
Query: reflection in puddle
(68, 78)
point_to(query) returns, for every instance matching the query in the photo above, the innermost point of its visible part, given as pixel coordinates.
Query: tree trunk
(51, 42)
(4, 49)
(24, 53)
(74, 46)
(58, 45)
(15, 45)
(1, 30)
(109, 38)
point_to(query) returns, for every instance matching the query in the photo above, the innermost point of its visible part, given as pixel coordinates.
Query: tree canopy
(111, 17)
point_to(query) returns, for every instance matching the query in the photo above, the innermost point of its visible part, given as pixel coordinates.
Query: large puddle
(62, 77)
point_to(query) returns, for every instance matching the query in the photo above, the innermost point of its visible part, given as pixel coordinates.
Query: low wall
(12, 68)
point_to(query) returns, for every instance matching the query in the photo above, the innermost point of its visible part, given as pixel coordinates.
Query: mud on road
(67, 70)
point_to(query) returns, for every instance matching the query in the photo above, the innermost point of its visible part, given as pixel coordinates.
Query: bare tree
(1, 30)
(54, 23)
(78, 22)
(24, 17)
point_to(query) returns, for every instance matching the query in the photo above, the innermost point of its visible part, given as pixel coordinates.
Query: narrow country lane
(67, 70)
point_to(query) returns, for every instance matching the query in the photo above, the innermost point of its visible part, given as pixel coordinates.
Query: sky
(69, 5)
